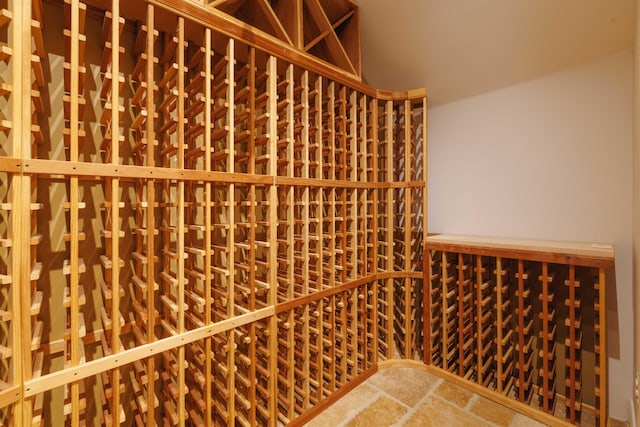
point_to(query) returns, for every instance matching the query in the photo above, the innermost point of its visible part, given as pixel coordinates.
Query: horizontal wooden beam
(570, 253)
(306, 299)
(77, 373)
(9, 396)
(45, 167)
(61, 168)
(10, 164)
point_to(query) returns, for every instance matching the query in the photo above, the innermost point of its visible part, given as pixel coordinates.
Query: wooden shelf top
(576, 253)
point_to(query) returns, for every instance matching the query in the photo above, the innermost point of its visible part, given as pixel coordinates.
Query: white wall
(552, 159)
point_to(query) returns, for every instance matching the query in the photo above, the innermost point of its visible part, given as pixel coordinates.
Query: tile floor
(410, 397)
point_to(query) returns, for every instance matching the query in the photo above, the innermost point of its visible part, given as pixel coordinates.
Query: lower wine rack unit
(522, 319)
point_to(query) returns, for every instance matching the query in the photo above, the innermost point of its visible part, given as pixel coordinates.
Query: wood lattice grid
(544, 331)
(158, 150)
(328, 30)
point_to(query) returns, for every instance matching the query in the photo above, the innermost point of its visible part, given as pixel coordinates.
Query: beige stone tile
(617, 423)
(453, 394)
(382, 412)
(408, 385)
(587, 418)
(493, 412)
(523, 421)
(435, 412)
(345, 408)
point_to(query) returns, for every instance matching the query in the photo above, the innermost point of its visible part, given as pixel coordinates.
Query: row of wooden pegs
(321, 346)
(493, 323)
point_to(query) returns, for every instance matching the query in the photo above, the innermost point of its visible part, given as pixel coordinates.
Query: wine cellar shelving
(198, 226)
(521, 319)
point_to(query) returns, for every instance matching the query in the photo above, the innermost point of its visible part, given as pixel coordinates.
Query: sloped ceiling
(461, 48)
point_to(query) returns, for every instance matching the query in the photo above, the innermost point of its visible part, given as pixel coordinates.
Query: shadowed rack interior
(524, 319)
(198, 226)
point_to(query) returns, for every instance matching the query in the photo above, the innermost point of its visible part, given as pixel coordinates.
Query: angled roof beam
(333, 43)
(326, 32)
(273, 20)
(227, 6)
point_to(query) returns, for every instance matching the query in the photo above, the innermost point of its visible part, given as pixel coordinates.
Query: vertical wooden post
(20, 199)
(304, 117)
(320, 126)
(425, 167)
(208, 282)
(389, 224)
(231, 55)
(427, 273)
(115, 206)
(180, 219)
(352, 150)
(272, 77)
(604, 358)
(479, 323)
(289, 220)
(150, 225)
(374, 221)
(521, 336)
(331, 140)
(408, 225)
(445, 309)
(426, 294)
(73, 211)
(572, 401)
(252, 233)
(499, 331)
(545, 350)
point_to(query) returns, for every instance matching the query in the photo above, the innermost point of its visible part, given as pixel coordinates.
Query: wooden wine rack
(199, 225)
(521, 321)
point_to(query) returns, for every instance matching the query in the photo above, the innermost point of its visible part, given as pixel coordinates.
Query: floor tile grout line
(395, 399)
(364, 406)
(407, 416)
(468, 411)
(472, 400)
(378, 390)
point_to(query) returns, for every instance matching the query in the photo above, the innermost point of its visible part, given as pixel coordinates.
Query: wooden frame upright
(198, 225)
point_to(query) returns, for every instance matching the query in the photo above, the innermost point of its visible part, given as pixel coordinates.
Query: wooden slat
(274, 21)
(141, 352)
(272, 237)
(230, 96)
(604, 361)
(546, 368)
(333, 43)
(388, 123)
(115, 31)
(587, 254)
(208, 372)
(499, 328)
(73, 214)
(150, 215)
(182, 364)
(19, 260)
(572, 380)
(408, 228)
